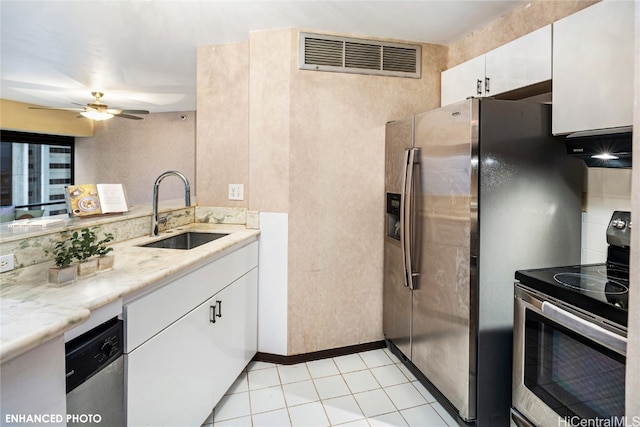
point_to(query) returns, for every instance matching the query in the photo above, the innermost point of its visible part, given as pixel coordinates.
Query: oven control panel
(619, 229)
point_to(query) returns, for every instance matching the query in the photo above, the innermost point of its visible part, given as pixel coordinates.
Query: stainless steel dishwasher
(95, 376)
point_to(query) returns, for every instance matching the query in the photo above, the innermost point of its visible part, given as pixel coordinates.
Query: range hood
(606, 148)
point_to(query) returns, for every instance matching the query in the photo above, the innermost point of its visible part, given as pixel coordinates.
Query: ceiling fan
(98, 110)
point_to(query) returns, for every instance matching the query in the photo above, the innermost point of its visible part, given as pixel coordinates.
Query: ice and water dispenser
(393, 215)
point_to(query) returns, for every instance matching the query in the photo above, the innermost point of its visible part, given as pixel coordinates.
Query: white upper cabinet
(462, 81)
(593, 53)
(520, 63)
(523, 62)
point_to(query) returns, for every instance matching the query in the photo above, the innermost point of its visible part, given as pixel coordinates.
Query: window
(34, 169)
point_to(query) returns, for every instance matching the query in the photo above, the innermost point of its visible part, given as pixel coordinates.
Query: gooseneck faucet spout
(156, 185)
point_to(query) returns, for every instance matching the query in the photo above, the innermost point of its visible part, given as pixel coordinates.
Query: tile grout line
(324, 410)
(322, 400)
(351, 391)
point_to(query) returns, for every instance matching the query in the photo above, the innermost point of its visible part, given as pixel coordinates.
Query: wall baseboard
(317, 355)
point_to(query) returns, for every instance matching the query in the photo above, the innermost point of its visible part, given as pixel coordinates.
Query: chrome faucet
(187, 197)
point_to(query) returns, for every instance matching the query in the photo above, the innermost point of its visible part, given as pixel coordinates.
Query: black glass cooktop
(595, 288)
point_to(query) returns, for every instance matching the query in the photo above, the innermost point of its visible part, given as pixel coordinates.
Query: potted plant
(83, 244)
(63, 271)
(105, 261)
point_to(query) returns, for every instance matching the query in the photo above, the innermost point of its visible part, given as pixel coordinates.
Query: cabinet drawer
(149, 314)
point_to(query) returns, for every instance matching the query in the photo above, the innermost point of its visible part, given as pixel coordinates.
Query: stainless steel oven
(570, 339)
(568, 364)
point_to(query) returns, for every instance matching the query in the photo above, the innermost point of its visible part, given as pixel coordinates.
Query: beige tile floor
(371, 388)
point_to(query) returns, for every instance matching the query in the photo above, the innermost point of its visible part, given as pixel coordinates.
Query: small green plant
(101, 245)
(62, 252)
(83, 244)
(80, 245)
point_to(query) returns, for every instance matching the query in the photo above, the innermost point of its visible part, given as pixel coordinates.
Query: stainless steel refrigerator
(475, 191)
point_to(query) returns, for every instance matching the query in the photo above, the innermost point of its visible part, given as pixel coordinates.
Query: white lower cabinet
(236, 332)
(33, 385)
(176, 376)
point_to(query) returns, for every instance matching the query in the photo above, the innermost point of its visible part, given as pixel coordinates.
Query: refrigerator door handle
(406, 207)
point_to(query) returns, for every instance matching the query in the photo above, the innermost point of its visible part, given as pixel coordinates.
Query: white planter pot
(88, 268)
(62, 275)
(106, 262)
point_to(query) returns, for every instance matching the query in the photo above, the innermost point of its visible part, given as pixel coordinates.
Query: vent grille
(323, 52)
(360, 55)
(348, 55)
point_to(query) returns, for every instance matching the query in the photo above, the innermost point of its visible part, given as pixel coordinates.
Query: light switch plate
(236, 191)
(6, 263)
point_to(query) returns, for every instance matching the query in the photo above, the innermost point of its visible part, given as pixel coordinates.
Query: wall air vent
(322, 52)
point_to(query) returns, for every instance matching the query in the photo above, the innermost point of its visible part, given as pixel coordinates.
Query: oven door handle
(594, 332)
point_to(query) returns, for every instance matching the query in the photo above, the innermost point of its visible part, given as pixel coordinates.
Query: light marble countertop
(33, 311)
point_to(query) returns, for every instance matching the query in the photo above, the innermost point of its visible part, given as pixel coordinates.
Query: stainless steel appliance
(95, 377)
(570, 339)
(475, 191)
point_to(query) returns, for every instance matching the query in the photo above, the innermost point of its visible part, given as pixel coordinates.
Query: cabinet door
(521, 63)
(593, 52)
(236, 331)
(176, 378)
(34, 384)
(462, 81)
(169, 377)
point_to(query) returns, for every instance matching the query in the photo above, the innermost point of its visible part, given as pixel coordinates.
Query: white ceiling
(142, 53)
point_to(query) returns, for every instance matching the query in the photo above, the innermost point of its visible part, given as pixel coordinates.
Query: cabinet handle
(479, 87)
(213, 312)
(486, 84)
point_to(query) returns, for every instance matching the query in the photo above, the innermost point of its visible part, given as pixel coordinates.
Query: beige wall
(336, 197)
(316, 153)
(135, 152)
(17, 116)
(270, 110)
(222, 133)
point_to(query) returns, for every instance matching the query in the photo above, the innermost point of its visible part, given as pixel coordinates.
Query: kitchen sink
(187, 240)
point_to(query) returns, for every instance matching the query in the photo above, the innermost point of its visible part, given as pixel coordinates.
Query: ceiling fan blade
(54, 108)
(116, 111)
(127, 116)
(135, 111)
(99, 108)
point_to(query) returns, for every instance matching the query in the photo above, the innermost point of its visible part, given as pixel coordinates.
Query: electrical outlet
(6, 263)
(236, 191)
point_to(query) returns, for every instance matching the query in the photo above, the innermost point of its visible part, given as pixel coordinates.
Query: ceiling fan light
(96, 115)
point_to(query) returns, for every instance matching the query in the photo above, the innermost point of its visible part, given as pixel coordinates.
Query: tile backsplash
(607, 190)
